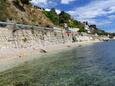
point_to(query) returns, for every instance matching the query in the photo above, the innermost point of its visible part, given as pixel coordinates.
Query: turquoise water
(92, 65)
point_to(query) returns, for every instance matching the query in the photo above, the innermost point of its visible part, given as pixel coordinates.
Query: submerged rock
(79, 45)
(68, 46)
(20, 56)
(43, 51)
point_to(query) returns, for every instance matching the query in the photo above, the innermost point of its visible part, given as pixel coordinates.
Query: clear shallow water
(92, 65)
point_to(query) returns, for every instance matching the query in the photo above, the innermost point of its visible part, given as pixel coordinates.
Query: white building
(88, 27)
(74, 29)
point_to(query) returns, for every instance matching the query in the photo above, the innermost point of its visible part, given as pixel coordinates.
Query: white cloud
(94, 9)
(37, 2)
(103, 23)
(97, 22)
(47, 9)
(57, 10)
(49, 3)
(112, 17)
(41, 3)
(66, 1)
(44, 3)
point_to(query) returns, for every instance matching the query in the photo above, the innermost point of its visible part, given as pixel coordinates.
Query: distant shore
(10, 58)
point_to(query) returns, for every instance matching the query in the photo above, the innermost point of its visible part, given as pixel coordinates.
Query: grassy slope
(26, 14)
(3, 9)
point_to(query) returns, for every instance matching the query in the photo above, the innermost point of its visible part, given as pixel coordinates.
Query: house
(89, 28)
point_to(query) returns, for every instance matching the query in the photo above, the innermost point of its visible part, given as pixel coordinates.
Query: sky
(99, 12)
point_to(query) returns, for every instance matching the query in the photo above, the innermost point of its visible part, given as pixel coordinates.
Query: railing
(18, 37)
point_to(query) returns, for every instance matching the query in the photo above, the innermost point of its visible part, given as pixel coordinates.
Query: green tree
(53, 16)
(82, 30)
(64, 17)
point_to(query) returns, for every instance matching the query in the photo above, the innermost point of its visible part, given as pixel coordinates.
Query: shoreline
(13, 57)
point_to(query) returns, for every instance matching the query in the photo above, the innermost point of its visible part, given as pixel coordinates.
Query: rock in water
(20, 56)
(68, 46)
(43, 51)
(80, 46)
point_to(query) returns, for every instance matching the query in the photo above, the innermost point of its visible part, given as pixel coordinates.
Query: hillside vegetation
(3, 9)
(22, 12)
(62, 18)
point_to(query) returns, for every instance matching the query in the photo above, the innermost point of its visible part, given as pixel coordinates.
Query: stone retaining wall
(31, 38)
